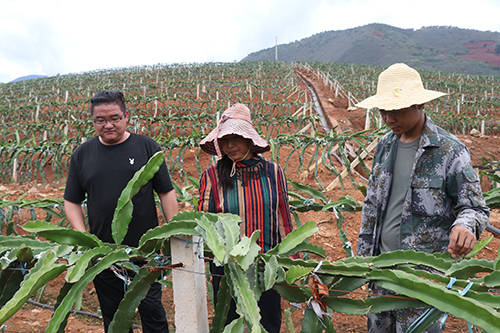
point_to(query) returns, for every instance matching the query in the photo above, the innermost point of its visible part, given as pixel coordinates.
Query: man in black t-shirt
(99, 170)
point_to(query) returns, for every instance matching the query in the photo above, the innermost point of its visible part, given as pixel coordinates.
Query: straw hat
(235, 120)
(399, 87)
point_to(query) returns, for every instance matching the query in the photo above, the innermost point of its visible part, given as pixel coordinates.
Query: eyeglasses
(112, 120)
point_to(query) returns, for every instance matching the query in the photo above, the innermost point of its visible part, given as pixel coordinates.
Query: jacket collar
(429, 137)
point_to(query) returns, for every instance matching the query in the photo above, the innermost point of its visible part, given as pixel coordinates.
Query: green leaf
(60, 313)
(64, 250)
(37, 226)
(346, 285)
(236, 326)
(310, 322)
(72, 237)
(401, 257)
(124, 316)
(270, 272)
(46, 269)
(62, 293)
(438, 296)
(14, 242)
(255, 278)
(150, 239)
(222, 307)
(288, 320)
(305, 246)
(293, 293)
(10, 281)
(297, 236)
(295, 273)
(245, 252)
(347, 305)
(347, 203)
(62, 235)
(311, 191)
(381, 304)
(246, 303)
(75, 272)
(492, 280)
(469, 267)
(494, 177)
(213, 239)
(305, 206)
(480, 245)
(24, 254)
(231, 229)
(124, 208)
(374, 305)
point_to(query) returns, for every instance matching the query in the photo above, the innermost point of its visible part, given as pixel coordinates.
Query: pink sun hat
(235, 120)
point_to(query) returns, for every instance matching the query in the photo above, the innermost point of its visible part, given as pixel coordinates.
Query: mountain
(28, 77)
(434, 48)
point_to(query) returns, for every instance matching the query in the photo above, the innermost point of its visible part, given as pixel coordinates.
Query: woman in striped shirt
(244, 183)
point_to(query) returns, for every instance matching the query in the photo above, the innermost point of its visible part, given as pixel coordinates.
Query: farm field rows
(44, 120)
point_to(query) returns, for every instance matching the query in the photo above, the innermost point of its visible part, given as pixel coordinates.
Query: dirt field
(34, 319)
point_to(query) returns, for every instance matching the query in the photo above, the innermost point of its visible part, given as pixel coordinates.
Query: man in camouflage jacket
(422, 194)
(444, 192)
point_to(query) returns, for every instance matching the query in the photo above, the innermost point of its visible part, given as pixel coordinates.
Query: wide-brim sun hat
(399, 87)
(235, 120)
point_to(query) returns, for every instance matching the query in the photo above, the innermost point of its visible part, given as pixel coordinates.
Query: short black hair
(107, 97)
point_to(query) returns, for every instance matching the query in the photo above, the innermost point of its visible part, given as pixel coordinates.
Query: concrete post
(189, 285)
(367, 120)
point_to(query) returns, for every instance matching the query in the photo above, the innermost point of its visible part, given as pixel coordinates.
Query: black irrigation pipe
(481, 166)
(46, 306)
(493, 230)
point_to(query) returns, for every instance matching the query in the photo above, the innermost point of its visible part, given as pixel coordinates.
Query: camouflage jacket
(443, 191)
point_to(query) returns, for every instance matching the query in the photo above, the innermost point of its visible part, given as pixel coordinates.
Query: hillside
(28, 77)
(434, 48)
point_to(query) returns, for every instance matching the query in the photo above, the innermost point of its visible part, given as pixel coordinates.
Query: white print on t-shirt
(131, 160)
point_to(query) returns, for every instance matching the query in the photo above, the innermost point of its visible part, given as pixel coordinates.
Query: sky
(50, 37)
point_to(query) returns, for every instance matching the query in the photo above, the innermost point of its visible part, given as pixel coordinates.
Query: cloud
(27, 44)
(55, 36)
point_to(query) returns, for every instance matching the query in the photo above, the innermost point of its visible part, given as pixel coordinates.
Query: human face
(110, 134)
(407, 122)
(236, 147)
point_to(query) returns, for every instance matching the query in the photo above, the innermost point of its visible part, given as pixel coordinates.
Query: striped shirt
(259, 196)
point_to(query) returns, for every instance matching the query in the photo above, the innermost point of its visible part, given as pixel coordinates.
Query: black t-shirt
(103, 171)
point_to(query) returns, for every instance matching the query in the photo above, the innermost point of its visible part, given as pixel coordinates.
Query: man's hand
(462, 241)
